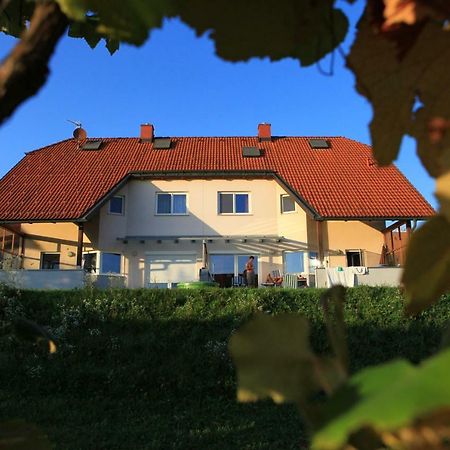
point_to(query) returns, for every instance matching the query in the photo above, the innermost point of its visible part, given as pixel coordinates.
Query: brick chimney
(264, 132)
(147, 132)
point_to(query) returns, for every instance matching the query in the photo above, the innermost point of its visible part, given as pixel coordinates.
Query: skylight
(91, 145)
(161, 143)
(251, 152)
(319, 143)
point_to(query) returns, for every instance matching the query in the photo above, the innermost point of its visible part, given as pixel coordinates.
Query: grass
(150, 369)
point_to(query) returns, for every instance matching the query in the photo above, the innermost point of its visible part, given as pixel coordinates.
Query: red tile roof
(63, 182)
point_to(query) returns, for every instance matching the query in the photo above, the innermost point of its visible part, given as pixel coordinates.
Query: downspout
(80, 245)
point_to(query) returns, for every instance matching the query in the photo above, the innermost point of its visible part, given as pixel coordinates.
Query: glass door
(227, 266)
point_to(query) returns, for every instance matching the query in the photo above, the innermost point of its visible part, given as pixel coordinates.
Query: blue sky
(176, 82)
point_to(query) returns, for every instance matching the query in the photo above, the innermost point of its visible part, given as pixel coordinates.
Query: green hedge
(149, 369)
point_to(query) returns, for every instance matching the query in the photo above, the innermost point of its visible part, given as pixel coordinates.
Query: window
(354, 258)
(293, 262)
(50, 261)
(171, 203)
(233, 203)
(116, 205)
(90, 262)
(313, 261)
(227, 266)
(287, 204)
(110, 262)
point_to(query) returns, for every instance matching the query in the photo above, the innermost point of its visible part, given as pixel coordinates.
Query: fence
(375, 276)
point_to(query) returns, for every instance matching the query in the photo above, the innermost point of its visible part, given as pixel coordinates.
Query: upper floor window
(287, 204)
(116, 205)
(171, 203)
(233, 203)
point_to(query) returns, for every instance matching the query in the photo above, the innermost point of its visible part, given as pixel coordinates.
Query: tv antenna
(79, 133)
(75, 122)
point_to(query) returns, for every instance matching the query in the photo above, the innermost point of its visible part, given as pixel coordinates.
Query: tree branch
(25, 69)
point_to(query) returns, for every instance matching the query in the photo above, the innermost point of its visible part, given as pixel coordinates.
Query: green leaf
(385, 398)
(30, 331)
(128, 21)
(392, 84)
(274, 359)
(19, 435)
(112, 45)
(427, 271)
(13, 18)
(86, 30)
(299, 29)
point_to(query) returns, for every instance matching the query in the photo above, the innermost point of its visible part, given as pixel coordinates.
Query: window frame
(102, 263)
(50, 253)
(282, 196)
(157, 194)
(234, 213)
(353, 251)
(122, 213)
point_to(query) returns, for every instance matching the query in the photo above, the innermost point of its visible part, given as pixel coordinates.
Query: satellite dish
(79, 134)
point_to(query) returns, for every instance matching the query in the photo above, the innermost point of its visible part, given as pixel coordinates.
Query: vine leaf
(19, 435)
(394, 84)
(14, 17)
(427, 271)
(389, 397)
(299, 29)
(128, 21)
(274, 359)
(409, 12)
(443, 194)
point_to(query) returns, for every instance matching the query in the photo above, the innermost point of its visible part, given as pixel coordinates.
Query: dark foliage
(149, 369)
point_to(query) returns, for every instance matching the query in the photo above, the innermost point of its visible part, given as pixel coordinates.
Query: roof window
(251, 152)
(91, 145)
(161, 143)
(319, 143)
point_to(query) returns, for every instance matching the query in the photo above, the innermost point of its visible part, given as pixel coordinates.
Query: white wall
(140, 219)
(375, 276)
(43, 279)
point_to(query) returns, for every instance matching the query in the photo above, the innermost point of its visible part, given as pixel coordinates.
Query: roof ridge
(47, 146)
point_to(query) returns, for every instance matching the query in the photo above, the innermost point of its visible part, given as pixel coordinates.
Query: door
(227, 266)
(166, 271)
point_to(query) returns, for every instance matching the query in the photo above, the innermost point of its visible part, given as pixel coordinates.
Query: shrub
(150, 368)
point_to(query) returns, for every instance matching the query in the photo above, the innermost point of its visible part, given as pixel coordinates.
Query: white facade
(158, 249)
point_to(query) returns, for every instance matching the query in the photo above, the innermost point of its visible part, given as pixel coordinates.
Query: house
(158, 209)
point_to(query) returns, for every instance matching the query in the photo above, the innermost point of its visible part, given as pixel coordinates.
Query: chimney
(264, 132)
(147, 132)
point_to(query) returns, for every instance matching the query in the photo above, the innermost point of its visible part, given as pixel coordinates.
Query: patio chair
(276, 279)
(290, 280)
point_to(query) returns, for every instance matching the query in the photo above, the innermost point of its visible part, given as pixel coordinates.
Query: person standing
(250, 272)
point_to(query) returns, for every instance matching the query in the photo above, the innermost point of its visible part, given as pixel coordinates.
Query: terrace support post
(408, 229)
(319, 227)
(80, 245)
(204, 255)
